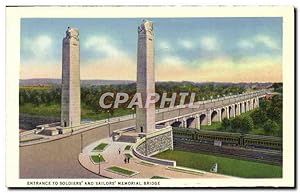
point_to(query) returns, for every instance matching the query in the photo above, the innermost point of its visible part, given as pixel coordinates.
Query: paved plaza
(142, 169)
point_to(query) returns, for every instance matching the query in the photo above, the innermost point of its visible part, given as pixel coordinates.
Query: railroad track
(232, 152)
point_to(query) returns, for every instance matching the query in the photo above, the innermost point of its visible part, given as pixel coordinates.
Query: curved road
(58, 158)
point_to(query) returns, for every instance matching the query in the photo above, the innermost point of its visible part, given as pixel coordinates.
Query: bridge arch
(176, 124)
(190, 122)
(236, 109)
(249, 105)
(214, 116)
(203, 119)
(241, 108)
(254, 103)
(223, 113)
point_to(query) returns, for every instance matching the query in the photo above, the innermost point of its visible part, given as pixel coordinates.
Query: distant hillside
(32, 82)
(41, 81)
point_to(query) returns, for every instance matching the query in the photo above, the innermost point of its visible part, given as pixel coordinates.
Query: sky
(186, 49)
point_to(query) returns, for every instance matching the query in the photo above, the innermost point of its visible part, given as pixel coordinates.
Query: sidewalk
(113, 158)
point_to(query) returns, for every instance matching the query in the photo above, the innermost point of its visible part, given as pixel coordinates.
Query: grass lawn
(127, 147)
(121, 170)
(158, 177)
(227, 166)
(96, 159)
(185, 170)
(100, 147)
(213, 127)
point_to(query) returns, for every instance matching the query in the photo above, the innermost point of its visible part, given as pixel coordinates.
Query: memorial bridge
(65, 164)
(206, 113)
(209, 111)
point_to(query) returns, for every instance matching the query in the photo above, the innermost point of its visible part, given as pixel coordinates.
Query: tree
(259, 117)
(37, 100)
(242, 124)
(275, 111)
(277, 87)
(270, 127)
(226, 125)
(21, 100)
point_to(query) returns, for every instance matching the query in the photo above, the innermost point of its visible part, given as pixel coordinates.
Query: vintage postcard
(139, 97)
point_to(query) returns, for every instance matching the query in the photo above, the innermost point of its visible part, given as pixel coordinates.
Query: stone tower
(70, 94)
(145, 117)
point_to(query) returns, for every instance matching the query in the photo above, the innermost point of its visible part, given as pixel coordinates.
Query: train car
(184, 133)
(208, 137)
(232, 139)
(224, 137)
(259, 141)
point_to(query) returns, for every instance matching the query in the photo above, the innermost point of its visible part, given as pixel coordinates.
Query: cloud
(258, 40)
(171, 60)
(266, 41)
(164, 45)
(39, 48)
(104, 45)
(209, 43)
(245, 44)
(187, 44)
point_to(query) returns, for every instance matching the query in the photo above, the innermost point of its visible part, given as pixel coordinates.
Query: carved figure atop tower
(72, 33)
(146, 26)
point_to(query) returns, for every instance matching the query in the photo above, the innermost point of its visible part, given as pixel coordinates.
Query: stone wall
(141, 145)
(157, 142)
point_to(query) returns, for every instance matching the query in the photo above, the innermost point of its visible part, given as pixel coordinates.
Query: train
(230, 139)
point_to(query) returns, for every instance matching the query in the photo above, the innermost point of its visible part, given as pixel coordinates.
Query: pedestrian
(119, 151)
(128, 159)
(125, 160)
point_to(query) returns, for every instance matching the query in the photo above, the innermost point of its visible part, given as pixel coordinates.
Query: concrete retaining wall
(150, 159)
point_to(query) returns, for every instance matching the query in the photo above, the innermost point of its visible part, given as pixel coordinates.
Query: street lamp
(71, 127)
(108, 115)
(108, 123)
(132, 112)
(99, 163)
(81, 141)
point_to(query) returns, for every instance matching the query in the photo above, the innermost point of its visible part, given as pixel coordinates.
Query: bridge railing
(231, 99)
(203, 105)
